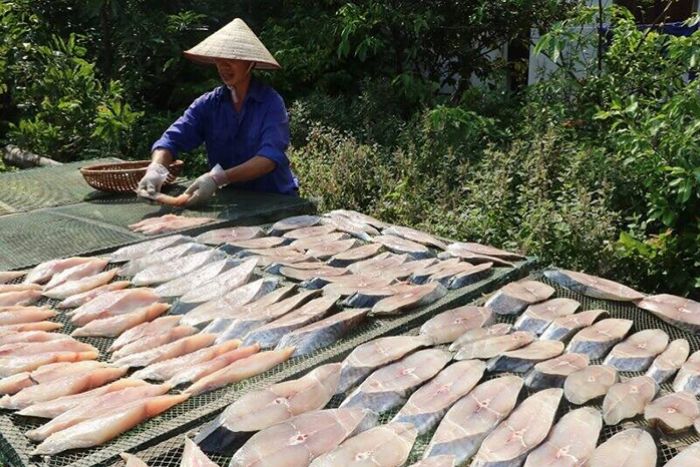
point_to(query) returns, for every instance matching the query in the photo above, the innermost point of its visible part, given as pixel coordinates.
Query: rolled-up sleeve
(274, 138)
(187, 132)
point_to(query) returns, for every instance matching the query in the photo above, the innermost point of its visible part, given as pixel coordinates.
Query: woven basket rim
(118, 167)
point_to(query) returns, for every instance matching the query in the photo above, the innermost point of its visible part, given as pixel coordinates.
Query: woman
(243, 124)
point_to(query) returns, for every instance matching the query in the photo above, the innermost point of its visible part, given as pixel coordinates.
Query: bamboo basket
(123, 177)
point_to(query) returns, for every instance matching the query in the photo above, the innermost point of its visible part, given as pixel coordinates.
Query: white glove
(151, 183)
(205, 186)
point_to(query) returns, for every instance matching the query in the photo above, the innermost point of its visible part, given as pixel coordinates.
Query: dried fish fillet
(589, 383)
(493, 346)
(673, 412)
(669, 361)
(230, 235)
(537, 318)
(552, 373)
(676, 310)
(500, 329)
(523, 359)
(592, 286)
(628, 399)
(563, 328)
(688, 377)
(630, 448)
(596, 340)
(513, 298)
(450, 324)
(637, 351)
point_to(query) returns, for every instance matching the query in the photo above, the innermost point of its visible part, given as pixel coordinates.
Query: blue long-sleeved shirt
(261, 128)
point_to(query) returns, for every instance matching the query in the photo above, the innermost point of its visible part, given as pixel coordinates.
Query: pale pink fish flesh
(385, 445)
(78, 286)
(358, 217)
(463, 275)
(169, 223)
(84, 297)
(254, 243)
(97, 431)
(96, 407)
(592, 286)
(355, 254)
(80, 271)
(513, 298)
(65, 386)
(300, 275)
(147, 343)
(29, 336)
(688, 457)
(15, 383)
(563, 328)
(473, 417)
(552, 373)
(306, 232)
(34, 326)
(230, 234)
(402, 246)
(18, 364)
(360, 230)
(141, 249)
(297, 441)
(239, 370)
(114, 326)
(263, 408)
(204, 275)
(166, 369)
(523, 359)
(669, 361)
(415, 236)
(18, 287)
(382, 261)
(151, 328)
(673, 413)
(347, 285)
(43, 272)
(160, 273)
(371, 355)
(32, 348)
(389, 387)
(486, 250)
(131, 460)
(8, 276)
(294, 222)
(537, 318)
(426, 407)
(678, 311)
(688, 377)
(596, 340)
(421, 295)
(637, 351)
(490, 347)
(521, 432)
(324, 251)
(26, 315)
(112, 304)
(633, 447)
(20, 297)
(205, 368)
(303, 244)
(589, 383)
(180, 347)
(192, 456)
(458, 250)
(449, 325)
(499, 329)
(628, 399)
(55, 407)
(561, 449)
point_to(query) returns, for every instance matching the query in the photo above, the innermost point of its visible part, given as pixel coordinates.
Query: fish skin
(161, 273)
(192, 456)
(561, 449)
(323, 333)
(264, 408)
(306, 232)
(132, 461)
(513, 298)
(389, 386)
(552, 373)
(597, 339)
(229, 304)
(65, 386)
(293, 223)
(166, 369)
(239, 370)
(421, 295)
(637, 351)
(202, 369)
(415, 236)
(628, 399)
(472, 335)
(96, 407)
(592, 286)
(174, 349)
(150, 328)
(150, 342)
(563, 328)
(673, 413)
(589, 383)
(80, 271)
(114, 326)
(436, 461)
(43, 272)
(79, 286)
(537, 318)
(8, 276)
(399, 245)
(112, 304)
(521, 432)
(55, 407)
(669, 361)
(475, 274)
(426, 407)
(299, 440)
(271, 333)
(449, 325)
(524, 359)
(97, 431)
(473, 417)
(493, 346)
(20, 297)
(15, 383)
(353, 255)
(423, 275)
(385, 445)
(82, 298)
(688, 377)
(182, 285)
(144, 248)
(688, 457)
(218, 287)
(230, 234)
(165, 255)
(678, 311)
(633, 447)
(371, 355)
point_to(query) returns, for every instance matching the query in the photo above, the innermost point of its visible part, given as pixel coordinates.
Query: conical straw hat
(236, 41)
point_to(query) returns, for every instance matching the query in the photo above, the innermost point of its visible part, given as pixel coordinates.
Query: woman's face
(232, 72)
